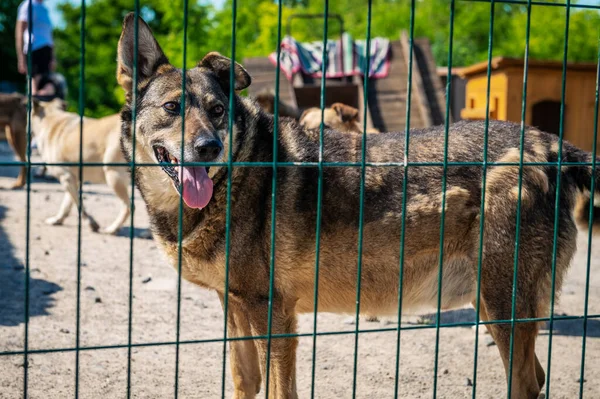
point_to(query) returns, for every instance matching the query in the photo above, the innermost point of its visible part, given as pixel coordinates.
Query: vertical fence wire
(590, 228)
(404, 192)
(443, 212)
(273, 204)
(320, 165)
(363, 171)
(557, 204)
(519, 200)
(136, 14)
(80, 192)
(319, 198)
(28, 201)
(484, 167)
(231, 119)
(180, 205)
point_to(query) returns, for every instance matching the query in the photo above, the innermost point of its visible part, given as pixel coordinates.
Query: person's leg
(40, 66)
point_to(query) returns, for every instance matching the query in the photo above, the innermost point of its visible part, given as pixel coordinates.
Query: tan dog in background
(341, 117)
(57, 133)
(13, 116)
(266, 100)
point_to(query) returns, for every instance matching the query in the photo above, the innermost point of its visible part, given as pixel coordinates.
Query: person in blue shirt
(42, 44)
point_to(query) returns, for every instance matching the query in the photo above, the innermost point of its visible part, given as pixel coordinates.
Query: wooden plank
(417, 80)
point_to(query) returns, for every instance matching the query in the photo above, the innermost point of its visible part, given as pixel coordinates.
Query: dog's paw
(17, 186)
(110, 230)
(54, 221)
(371, 318)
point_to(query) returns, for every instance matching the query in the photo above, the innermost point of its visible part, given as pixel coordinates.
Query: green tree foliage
(8, 20)
(209, 29)
(103, 27)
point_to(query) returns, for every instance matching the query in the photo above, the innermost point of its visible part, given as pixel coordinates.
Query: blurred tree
(8, 55)
(209, 29)
(103, 28)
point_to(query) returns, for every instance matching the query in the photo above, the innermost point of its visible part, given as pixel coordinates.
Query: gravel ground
(104, 318)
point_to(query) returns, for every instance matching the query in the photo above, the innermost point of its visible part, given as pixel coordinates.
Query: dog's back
(382, 211)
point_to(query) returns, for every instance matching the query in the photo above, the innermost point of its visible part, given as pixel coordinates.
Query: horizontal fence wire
(309, 334)
(320, 164)
(311, 164)
(539, 3)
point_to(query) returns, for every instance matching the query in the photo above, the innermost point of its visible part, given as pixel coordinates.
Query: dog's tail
(582, 176)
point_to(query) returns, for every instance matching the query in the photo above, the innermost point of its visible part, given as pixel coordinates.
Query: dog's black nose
(207, 149)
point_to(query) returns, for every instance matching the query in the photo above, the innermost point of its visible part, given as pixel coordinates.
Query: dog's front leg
(282, 375)
(71, 185)
(243, 355)
(17, 142)
(63, 212)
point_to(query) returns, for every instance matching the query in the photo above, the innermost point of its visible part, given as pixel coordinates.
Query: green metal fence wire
(80, 192)
(319, 200)
(229, 172)
(180, 207)
(273, 203)
(590, 218)
(443, 215)
(28, 210)
(483, 194)
(132, 203)
(363, 171)
(404, 191)
(557, 206)
(320, 165)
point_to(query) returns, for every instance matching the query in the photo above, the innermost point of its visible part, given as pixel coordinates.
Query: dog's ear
(304, 115)
(345, 112)
(35, 103)
(221, 66)
(149, 57)
(60, 104)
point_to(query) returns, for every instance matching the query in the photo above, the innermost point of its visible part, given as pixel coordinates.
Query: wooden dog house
(544, 89)
(386, 97)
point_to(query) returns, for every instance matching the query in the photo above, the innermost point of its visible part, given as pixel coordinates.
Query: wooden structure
(457, 89)
(386, 97)
(544, 90)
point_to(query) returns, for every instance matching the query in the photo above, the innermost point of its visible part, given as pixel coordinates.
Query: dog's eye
(172, 107)
(217, 110)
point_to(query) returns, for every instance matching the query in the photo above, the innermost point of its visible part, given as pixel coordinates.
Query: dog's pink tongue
(197, 186)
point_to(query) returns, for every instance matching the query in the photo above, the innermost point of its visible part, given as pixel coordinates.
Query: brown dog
(205, 192)
(13, 117)
(266, 100)
(340, 117)
(58, 136)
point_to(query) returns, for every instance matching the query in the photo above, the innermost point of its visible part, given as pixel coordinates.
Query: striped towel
(379, 60)
(344, 57)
